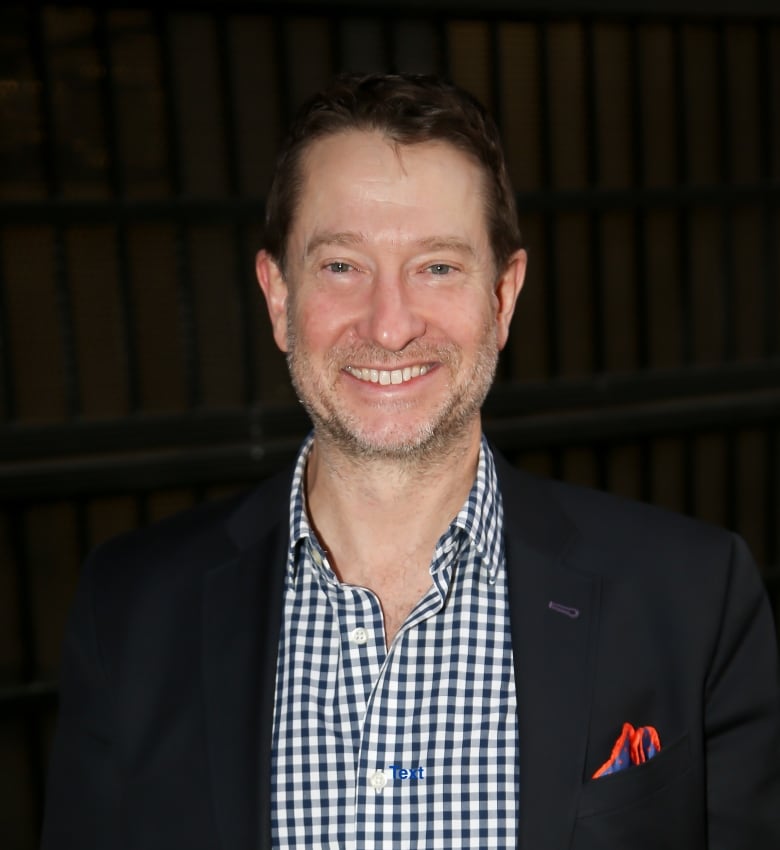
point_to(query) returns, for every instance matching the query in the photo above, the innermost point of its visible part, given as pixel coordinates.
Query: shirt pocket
(635, 783)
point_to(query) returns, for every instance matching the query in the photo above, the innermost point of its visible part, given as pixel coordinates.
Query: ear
(274, 287)
(507, 289)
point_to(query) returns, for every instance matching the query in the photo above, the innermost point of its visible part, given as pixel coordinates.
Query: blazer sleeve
(742, 717)
(82, 790)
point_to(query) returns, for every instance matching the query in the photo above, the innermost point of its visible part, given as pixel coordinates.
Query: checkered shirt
(409, 747)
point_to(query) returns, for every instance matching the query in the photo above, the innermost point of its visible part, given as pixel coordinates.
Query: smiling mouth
(386, 377)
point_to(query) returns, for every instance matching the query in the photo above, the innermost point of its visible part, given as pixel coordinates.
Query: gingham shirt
(410, 747)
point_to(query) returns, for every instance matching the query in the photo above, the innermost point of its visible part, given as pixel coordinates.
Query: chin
(417, 441)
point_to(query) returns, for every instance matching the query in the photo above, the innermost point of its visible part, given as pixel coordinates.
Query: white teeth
(385, 377)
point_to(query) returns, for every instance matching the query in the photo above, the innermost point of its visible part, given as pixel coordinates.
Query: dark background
(137, 371)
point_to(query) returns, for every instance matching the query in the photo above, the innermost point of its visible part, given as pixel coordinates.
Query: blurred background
(137, 371)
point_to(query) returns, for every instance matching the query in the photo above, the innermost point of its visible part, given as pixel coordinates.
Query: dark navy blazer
(164, 734)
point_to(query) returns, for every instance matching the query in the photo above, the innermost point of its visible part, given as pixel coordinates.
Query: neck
(372, 513)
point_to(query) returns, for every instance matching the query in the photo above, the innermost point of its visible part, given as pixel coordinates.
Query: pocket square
(634, 746)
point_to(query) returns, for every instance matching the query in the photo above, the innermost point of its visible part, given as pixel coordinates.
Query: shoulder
(608, 517)
(686, 583)
(595, 514)
(617, 537)
(182, 546)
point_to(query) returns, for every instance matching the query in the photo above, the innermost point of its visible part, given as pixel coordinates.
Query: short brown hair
(408, 109)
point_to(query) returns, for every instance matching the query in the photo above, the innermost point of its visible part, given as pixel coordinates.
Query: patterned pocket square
(634, 746)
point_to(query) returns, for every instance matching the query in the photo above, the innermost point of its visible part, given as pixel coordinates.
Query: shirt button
(359, 636)
(377, 781)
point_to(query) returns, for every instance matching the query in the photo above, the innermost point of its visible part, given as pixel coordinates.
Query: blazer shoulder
(607, 515)
(194, 539)
(619, 532)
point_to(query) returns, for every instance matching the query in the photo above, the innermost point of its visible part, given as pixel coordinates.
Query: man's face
(391, 310)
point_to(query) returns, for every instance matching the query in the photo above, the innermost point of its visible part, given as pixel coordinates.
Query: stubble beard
(432, 439)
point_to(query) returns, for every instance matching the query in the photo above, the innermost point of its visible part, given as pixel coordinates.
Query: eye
(440, 268)
(339, 267)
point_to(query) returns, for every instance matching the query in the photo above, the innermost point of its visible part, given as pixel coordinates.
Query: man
(403, 642)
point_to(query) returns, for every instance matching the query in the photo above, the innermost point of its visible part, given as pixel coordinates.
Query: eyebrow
(351, 238)
(348, 238)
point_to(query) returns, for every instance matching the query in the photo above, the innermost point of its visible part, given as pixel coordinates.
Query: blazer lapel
(554, 621)
(242, 601)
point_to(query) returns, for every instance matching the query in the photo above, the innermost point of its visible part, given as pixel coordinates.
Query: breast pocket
(647, 807)
(631, 785)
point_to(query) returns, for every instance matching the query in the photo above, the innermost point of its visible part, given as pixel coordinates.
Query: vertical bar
(771, 273)
(595, 248)
(7, 379)
(39, 59)
(683, 177)
(548, 224)
(108, 103)
(188, 315)
(67, 331)
(686, 299)
(187, 307)
(129, 321)
(118, 190)
(728, 324)
(162, 25)
(771, 321)
(639, 183)
(686, 295)
(230, 121)
(601, 451)
(39, 55)
(728, 329)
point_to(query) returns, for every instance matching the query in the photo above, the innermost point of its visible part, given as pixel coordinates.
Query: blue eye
(440, 268)
(339, 268)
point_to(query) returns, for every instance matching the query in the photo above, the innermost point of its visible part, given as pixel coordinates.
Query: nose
(391, 319)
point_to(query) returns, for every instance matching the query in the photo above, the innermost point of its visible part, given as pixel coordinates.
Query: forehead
(365, 177)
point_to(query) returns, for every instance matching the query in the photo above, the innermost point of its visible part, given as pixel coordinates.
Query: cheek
(471, 324)
(317, 324)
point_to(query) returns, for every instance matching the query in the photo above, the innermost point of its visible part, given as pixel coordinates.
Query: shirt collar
(299, 520)
(480, 518)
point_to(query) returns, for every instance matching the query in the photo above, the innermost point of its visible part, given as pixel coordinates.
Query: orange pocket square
(634, 746)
